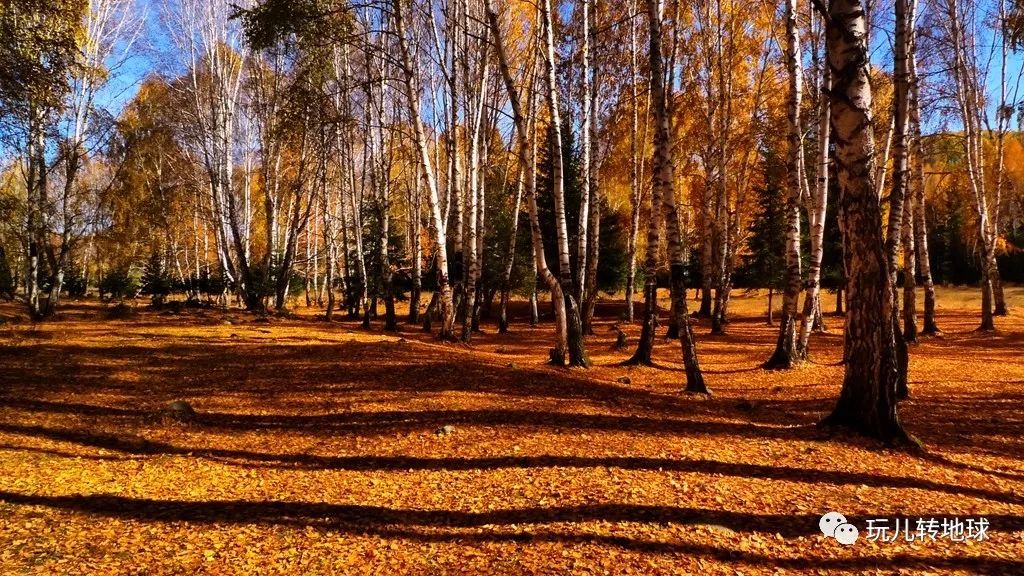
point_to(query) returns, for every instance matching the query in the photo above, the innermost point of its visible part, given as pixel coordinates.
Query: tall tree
(38, 57)
(428, 175)
(634, 164)
(816, 210)
(922, 256)
(867, 402)
(786, 353)
(960, 53)
(894, 226)
(574, 327)
(527, 152)
(591, 188)
(664, 192)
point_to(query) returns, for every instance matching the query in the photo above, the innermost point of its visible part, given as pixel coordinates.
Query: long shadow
(409, 421)
(341, 516)
(734, 371)
(411, 523)
(961, 424)
(269, 369)
(779, 424)
(948, 462)
(62, 454)
(143, 447)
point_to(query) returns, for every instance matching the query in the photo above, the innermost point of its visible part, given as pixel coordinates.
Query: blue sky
(154, 53)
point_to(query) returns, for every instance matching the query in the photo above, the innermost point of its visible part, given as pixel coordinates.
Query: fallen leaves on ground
(322, 448)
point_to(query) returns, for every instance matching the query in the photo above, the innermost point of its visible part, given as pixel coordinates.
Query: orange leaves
(314, 452)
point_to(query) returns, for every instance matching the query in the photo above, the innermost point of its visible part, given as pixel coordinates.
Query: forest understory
(324, 448)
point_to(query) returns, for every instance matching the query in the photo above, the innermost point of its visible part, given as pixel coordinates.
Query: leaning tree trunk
(920, 221)
(812, 319)
(634, 177)
(527, 152)
(894, 226)
(574, 327)
(867, 402)
(427, 167)
(786, 352)
(664, 180)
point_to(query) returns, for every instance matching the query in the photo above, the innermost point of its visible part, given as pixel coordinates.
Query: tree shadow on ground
(142, 447)
(143, 378)
(448, 526)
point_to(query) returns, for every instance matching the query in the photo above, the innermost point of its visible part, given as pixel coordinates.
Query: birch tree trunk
(574, 329)
(429, 179)
(330, 245)
(582, 225)
(920, 223)
(905, 47)
(527, 152)
(416, 248)
(909, 269)
(664, 183)
(591, 188)
(786, 354)
(894, 227)
(474, 196)
(36, 189)
(965, 76)
(812, 316)
(510, 256)
(634, 176)
(867, 402)
(649, 321)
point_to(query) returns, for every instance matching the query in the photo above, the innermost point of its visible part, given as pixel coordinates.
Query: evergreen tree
(156, 280)
(765, 265)
(7, 285)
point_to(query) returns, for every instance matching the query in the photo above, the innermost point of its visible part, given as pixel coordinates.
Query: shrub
(119, 283)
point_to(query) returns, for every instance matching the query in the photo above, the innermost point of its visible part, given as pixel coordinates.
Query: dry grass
(315, 450)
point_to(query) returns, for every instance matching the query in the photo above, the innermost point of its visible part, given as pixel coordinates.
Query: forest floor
(321, 449)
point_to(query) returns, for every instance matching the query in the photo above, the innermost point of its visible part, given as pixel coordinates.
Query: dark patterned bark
(867, 403)
(786, 354)
(664, 182)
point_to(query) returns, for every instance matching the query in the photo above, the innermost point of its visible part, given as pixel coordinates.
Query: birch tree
(816, 210)
(527, 152)
(968, 76)
(634, 164)
(867, 402)
(215, 54)
(894, 226)
(437, 223)
(920, 225)
(588, 261)
(786, 351)
(574, 329)
(663, 188)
